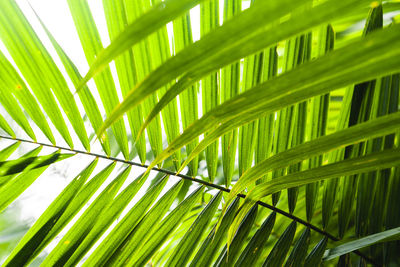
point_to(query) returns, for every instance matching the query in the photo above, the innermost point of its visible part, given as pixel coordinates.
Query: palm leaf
(263, 102)
(391, 234)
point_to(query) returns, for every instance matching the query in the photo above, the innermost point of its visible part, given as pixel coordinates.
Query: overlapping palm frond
(280, 95)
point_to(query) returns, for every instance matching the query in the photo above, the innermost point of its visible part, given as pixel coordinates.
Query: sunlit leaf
(23, 252)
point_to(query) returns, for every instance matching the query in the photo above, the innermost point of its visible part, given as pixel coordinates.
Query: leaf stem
(186, 177)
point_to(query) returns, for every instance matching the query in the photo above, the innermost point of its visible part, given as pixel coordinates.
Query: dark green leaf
(187, 245)
(29, 163)
(278, 253)
(315, 256)
(231, 252)
(255, 247)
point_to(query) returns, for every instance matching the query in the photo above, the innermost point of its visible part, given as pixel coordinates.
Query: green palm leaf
(229, 104)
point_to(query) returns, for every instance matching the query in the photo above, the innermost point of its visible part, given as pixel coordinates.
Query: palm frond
(289, 99)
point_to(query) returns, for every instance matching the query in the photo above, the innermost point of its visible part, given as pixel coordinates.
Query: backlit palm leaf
(284, 96)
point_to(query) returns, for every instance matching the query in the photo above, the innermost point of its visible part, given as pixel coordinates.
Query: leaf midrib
(186, 177)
